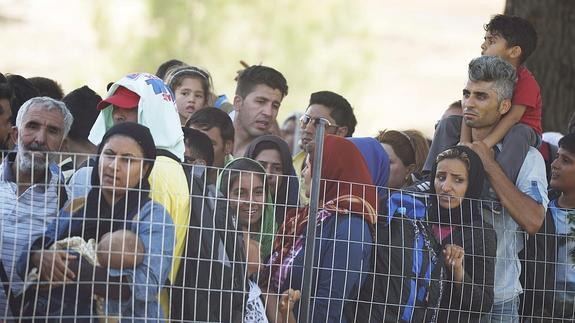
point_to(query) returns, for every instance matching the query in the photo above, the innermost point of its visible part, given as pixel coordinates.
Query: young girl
(193, 89)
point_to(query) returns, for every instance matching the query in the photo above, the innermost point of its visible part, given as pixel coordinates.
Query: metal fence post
(309, 254)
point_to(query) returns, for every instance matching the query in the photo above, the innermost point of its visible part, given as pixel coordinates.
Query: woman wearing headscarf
(145, 99)
(469, 244)
(118, 200)
(377, 162)
(243, 183)
(244, 179)
(344, 234)
(272, 152)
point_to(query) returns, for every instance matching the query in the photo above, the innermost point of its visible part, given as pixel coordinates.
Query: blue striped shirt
(23, 219)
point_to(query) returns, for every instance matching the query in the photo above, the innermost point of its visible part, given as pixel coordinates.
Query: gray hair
(497, 70)
(48, 104)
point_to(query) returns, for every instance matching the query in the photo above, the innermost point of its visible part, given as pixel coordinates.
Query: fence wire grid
(188, 248)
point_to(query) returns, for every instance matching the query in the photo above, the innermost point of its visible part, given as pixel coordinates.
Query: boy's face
(563, 171)
(495, 45)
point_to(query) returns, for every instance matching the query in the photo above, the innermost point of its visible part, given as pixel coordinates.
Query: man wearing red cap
(125, 105)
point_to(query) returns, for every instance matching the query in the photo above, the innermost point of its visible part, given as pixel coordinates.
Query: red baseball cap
(122, 98)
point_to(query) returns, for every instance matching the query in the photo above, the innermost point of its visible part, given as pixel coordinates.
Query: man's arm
(508, 120)
(523, 209)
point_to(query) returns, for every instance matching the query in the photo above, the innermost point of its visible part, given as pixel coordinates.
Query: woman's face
(271, 160)
(306, 173)
(190, 97)
(397, 170)
(451, 181)
(247, 196)
(121, 165)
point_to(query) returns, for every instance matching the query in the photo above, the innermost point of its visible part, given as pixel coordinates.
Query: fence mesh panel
(85, 247)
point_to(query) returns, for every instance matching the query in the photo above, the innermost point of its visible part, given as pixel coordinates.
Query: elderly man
(486, 98)
(30, 189)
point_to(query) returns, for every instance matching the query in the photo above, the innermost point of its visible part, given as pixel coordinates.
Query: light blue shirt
(565, 266)
(531, 180)
(23, 219)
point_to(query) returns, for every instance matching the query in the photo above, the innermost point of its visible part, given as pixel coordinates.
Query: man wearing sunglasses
(338, 113)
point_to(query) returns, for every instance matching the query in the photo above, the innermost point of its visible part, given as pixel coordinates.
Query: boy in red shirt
(513, 39)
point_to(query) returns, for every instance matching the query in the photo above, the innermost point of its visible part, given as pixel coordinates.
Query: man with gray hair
(486, 98)
(31, 190)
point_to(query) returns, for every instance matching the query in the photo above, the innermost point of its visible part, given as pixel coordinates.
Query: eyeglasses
(306, 119)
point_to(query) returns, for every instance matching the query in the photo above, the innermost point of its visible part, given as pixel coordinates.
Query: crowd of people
(165, 201)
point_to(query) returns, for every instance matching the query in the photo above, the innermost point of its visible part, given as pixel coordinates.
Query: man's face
(5, 125)
(495, 45)
(41, 131)
(312, 113)
(221, 147)
(563, 171)
(120, 115)
(480, 106)
(257, 111)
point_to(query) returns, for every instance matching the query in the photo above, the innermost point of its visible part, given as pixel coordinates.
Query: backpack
(405, 284)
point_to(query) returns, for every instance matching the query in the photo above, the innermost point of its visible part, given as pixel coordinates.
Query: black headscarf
(102, 217)
(462, 214)
(288, 192)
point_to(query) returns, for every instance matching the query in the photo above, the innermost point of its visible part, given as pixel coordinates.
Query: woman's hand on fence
(454, 261)
(287, 301)
(53, 265)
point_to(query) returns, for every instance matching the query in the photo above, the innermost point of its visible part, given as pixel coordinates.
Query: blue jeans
(507, 311)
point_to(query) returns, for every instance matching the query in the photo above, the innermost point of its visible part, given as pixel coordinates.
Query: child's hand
(287, 300)
(454, 255)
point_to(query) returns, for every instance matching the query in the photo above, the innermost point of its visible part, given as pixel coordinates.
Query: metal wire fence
(222, 245)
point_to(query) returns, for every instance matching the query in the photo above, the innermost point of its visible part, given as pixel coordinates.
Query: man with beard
(259, 94)
(30, 183)
(5, 116)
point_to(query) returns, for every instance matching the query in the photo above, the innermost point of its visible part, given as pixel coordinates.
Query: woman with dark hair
(468, 243)
(344, 234)
(272, 152)
(118, 200)
(243, 184)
